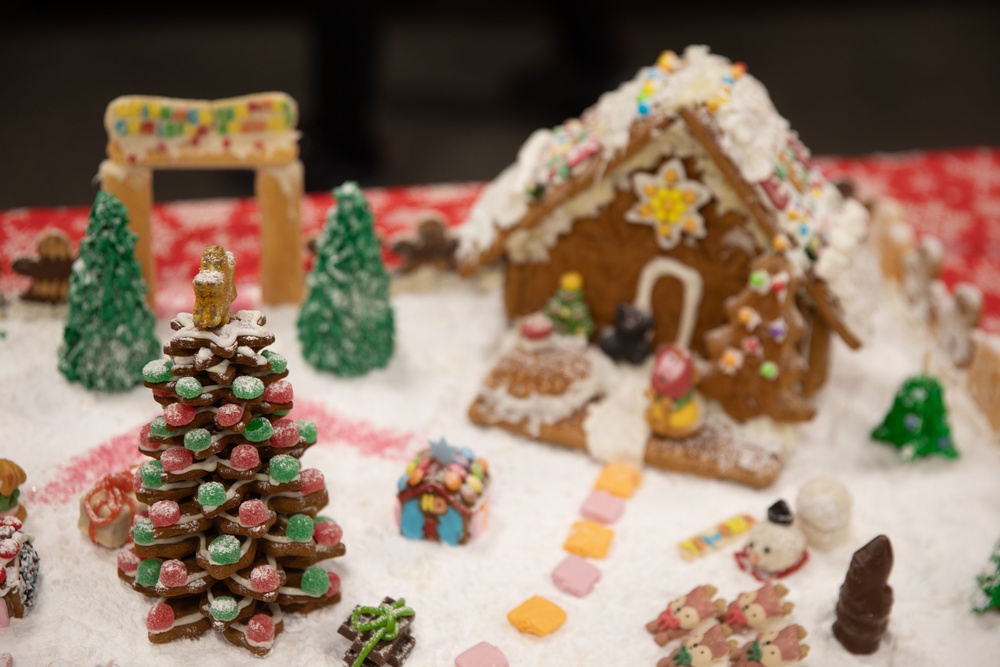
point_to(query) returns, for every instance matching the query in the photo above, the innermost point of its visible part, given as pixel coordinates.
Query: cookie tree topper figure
(346, 324)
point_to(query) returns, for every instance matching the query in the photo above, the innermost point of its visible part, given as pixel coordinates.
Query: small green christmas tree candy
(568, 310)
(988, 585)
(346, 324)
(917, 423)
(109, 329)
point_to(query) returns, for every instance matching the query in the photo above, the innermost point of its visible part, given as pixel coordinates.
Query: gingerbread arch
(252, 132)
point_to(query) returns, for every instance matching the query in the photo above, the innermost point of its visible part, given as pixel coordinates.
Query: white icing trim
(693, 283)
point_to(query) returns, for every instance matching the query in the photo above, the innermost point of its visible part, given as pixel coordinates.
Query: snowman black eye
(749, 545)
(767, 550)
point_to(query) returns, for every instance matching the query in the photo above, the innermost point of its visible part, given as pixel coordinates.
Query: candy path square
(602, 507)
(537, 616)
(482, 654)
(576, 576)
(589, 540)
(619, 479)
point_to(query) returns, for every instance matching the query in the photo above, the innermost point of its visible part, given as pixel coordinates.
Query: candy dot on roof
(286, 433)
(160, 617)
(278, 361)
(260, 630)
(152, 474)
(327, 532)
(128, 561)
(258, 430)
(253, 513)
(158, 427)
(164, 513)
(478, 471)
(283, 468)
(188, 387)
(224, 608)
(315, 582)
(300, 528)
(312, 480)
(9, 548)
(279, 392)
(149, 572)
(173, 573)
(211, 494)
(178, 414)
(264, 579)
(229, 414)
(176, 459)
(244, 457)
(224, 550)
(198, 439)
(158, 370)
(307, 429)
(248, 387)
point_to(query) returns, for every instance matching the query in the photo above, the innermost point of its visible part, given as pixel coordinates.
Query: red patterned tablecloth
(953, 195)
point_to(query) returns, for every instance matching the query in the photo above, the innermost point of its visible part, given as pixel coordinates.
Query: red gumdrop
(164, 513)
(173, 573)
(279, 392)
(334, 584)
(176, 459)
(144, 436)
(327, 533)
(312, 480)
(264, 579)
(178, 414)
(136, 481)
(260, 629)
(244, 457)
(253, 513)
(229, 414)
(9, 548)
(128, 561)
(160, 618)
(286, 433)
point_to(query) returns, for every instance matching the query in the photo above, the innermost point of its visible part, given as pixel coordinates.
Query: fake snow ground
(942, 517)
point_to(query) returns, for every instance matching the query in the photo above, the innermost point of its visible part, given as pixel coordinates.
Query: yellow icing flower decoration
(669, 202)
(571, 281)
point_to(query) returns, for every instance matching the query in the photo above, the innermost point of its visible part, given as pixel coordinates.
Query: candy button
(258, 430)
(188, 387)
(300, 528)
(247, 387)
(475, 483)
(537, 616)
(315, 582)
(197, 440)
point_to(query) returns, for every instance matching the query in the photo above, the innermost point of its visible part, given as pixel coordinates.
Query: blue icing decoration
(450, 528)
(411, 520)
(401, 484)
(468, 453)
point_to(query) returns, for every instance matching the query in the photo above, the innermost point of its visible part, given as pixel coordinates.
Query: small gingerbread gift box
(444, 495)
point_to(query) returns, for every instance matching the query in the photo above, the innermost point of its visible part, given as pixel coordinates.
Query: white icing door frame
(693, 283)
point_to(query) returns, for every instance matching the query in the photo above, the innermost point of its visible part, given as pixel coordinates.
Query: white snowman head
(776, 544)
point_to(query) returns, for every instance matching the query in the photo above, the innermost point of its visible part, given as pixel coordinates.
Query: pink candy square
(482, 654)
(575, 576)
(602, 507)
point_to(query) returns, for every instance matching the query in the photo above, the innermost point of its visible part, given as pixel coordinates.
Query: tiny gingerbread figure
(49, 272)
(674, 410)
(708, 649)
(214, 288)
(757, 609)
(11, 477)
(685, 613)
(774, 649)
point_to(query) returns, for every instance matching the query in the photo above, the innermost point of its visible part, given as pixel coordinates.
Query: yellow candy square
(619, 479)
(537, 616)
(589, 539)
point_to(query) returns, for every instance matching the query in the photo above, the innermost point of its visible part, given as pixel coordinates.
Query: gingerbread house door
(692, 285)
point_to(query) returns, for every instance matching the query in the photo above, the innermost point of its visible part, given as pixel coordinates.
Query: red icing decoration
(743, 561)
(229, 414)
(264, 579)
(334, 584)
(312, 481)
(173, 573)
(772, 188)
(176, 459)
(279, 392)
(160, 618)
(11, 520)
(673, 371)
(327, 533)
(253, 513)
(260, 629)
(536, 327)
(164, 513)
(104, 503)
(244, 457)
(178, 414)
(286, 433)
(778, 286)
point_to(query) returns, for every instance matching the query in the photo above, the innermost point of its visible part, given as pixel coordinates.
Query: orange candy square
(537, 616)
(589, 539)
(619, 479)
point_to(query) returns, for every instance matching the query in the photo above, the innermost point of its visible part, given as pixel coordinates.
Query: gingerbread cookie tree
(346, 324)
(109, 329)
(233, 539)
(757, 368)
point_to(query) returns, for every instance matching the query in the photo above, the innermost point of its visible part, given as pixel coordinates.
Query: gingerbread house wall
(610, 253)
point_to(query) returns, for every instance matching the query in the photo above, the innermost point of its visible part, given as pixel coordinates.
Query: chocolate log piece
(385, 652)
(865, 598)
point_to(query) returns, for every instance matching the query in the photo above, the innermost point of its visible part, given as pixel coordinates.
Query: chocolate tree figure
(865, 598)
(109, 328)
(567, 308)
(50, 272)
(917, 423)
(233, 540)
(757, 368)
(628, 339)
(988, 583)
(346, 324)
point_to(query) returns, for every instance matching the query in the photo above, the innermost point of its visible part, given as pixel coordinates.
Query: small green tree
(346, 324)
(568, 309)
(917, 423)
(109, 329)
(988, 584)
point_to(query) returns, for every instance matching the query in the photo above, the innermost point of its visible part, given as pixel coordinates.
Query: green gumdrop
(307, 429)
(300, 528)
(224, 550)
(142, 532)
(149, 572)
(758, 279)
(315, 582)
(258, 430)
(247, 387)
(278, 361)
(158, 370)
(188, 387)
(224, 608)
(769, 370)
(211, 494)
(158, 427)
(151, 473)
(197, 439)
(283, 468)
(477, 470)
(280, 413)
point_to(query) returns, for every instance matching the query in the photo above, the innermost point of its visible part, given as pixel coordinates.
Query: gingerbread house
(662, 195)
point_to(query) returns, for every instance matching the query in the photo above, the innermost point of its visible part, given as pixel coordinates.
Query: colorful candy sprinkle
(247, 387)
(300, 528)
(315, 582)
(188, 387)
(283, 468)
(258, 430)
(244, 457)
(224, 550)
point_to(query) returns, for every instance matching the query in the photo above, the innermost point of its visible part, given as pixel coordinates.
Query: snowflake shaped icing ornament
(669, 201)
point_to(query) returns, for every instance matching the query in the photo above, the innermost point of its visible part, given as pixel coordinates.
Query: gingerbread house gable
(684, 172)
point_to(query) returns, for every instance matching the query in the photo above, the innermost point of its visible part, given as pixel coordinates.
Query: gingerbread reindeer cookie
(685, 613)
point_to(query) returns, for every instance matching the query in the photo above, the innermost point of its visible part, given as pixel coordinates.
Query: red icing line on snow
(364, 436)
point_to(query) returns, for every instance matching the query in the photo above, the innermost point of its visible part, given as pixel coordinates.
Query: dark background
(398, 93)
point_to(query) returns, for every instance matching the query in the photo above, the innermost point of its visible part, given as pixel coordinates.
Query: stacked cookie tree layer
(232, 538)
